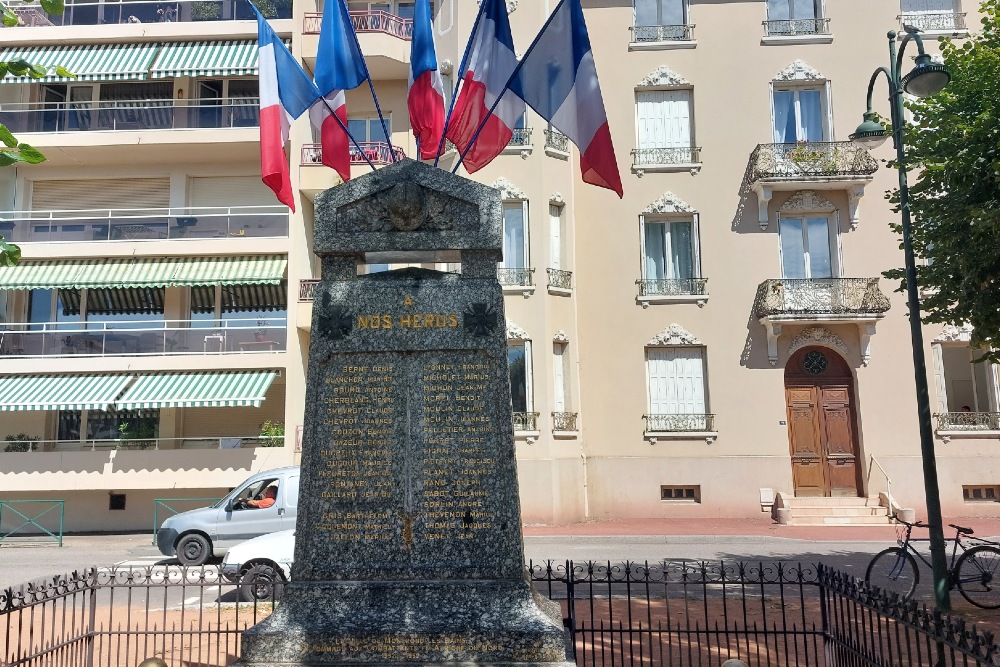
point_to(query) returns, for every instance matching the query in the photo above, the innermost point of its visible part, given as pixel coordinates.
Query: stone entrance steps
(806, 511)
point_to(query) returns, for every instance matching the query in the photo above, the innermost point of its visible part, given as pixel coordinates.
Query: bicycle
(976, 572)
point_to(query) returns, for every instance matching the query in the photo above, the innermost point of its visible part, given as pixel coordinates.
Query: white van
(197, 535)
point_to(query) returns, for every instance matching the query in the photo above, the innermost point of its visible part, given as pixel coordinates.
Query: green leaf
(6, 137)
(18, 66)
(30, 154)
(38, 71)
(62, 71)
(3, 70)
(8, 157)
(9, 17)
(54, 7)
(10, 254)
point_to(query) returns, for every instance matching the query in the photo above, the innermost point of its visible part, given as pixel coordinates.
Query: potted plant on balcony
(272, 433)
(260, 334)
(21, 442)
(812, 157)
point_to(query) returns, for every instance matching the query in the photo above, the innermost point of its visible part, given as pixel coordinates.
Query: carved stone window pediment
(663, 77)
(668, 203)
(806, 201)
(673, 335)
(507, 189)
(799, 70)
(515, 332)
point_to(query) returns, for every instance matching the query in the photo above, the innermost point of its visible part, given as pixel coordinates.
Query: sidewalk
(984, 527)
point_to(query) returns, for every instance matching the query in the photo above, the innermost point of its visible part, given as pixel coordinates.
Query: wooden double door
(822, 433)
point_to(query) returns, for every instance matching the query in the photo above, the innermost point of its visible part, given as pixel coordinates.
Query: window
(664, 127)
(968, 386)
(669, 250)
(98, 425)
(805, 247)
(519, 363)
(555, 236)
(790, 10)
(369, 129)
(559, 403)
(933, 15)
(53, 306)
(515, 235)
(981, 493)
(798, 115)
(660, 12)
(677, 394)
(690, 494)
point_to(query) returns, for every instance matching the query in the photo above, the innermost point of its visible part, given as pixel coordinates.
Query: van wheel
(193, 549)
(261, 583)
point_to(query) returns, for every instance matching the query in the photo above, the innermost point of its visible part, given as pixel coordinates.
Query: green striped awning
(198, 390)
(239, 298)
(216, 58)
(144, 272)
(90, 62)
(60, 392)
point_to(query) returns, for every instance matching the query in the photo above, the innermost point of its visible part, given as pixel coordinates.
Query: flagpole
(461, 76)
(513, 75)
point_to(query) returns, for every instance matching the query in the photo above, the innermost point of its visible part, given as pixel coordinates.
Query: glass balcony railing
(193, 442)
(122, 115)
(378, 152)
(164, 224)
(366, 21)
(143, 11)
(146, 338)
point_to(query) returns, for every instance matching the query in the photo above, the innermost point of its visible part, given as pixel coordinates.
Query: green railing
(162, 502)
(8, 506)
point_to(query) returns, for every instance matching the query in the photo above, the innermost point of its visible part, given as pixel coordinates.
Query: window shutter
(229, 191)
(690, 380)
(676, 119)
(114, 193)
(659, 364)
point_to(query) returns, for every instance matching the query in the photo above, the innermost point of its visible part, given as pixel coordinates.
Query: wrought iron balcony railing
(378, 152)
(307, 289)
(794, 27)
(149, 224)
(653, 156)
(934, 21)
(127, 115)
(560, 279)
(521, 136)
(662, 33)
(556, 140)
(515, 277)
(813, 159)
(525, 421)
(968, 421)
(672, 286)
(564, 421)
(690, 423)
(366, 21)
(820, 296)
(146, 11)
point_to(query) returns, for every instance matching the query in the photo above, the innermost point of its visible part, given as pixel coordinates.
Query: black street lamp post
(926, 78)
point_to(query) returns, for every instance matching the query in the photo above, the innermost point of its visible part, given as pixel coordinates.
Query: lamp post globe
(926, 78)
(870, 134)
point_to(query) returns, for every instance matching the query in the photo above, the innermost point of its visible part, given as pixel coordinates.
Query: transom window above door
(799, 115)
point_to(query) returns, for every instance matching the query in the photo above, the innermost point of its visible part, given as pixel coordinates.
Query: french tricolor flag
(558, 80)
(490, 65)
(285, 94)
(339, 67)
(425, 99)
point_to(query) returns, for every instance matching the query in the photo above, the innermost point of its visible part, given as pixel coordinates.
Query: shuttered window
(230, 422)
(82, 194)
(664, 119)
(927, 6)
(229, 191)
(676, 380)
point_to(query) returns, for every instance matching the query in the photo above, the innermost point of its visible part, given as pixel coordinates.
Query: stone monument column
(408, 540)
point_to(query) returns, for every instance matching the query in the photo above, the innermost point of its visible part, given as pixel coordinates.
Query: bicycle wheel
(893, 571)
(978, 576)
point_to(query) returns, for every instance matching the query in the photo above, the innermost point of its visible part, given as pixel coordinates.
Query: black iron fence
(677, 613)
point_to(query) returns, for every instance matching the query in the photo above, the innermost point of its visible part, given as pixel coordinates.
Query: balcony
(824, 301)
(313, 181)
(968, 425)
(120, 116)
(145, 12)
(168, 224)
(307, 289)
(936, 22)
(517, 280)
(654, 34)
(520, 142)
(672, 290)
(680, 427)
(560, 282)
(814, 165)
(384, 38)
(666, 159)
(143, 338)
(140, 443)
(786, 28)
(564, 423)
(525, 422)
(556, 143)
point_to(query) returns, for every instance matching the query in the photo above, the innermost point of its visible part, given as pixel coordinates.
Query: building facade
(718, 338)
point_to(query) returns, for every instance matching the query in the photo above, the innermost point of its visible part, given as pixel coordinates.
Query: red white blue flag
(489, 68)
(285, 94)
(339, 67)
(558, 80)
(425, 98)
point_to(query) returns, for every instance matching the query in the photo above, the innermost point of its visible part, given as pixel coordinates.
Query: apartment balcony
(656, 37)
(146, 444)
(384, 38)
(564, 424)
(526, 425)
(560, 282)
(787, 30)
(142, 338)
(145, 12)
(516, 280)
(314, 176)
(814, 165)
(167, 224)
(520, 142)
(556, 143)
(946, 23)
(680, 427)
(784, 301)
(686, 158)
(672, 290)
(968, 425)
(125, 131)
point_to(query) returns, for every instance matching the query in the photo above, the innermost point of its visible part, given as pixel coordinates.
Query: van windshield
(252, 490)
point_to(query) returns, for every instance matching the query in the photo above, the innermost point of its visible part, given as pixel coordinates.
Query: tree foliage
(954, 152)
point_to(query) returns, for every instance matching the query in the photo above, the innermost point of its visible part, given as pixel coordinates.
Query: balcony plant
(272, 433)
(141, 437)
(813, 157)
(20, 442)
(260, 334)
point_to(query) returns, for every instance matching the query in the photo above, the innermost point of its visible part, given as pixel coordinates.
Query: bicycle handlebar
(915, 524)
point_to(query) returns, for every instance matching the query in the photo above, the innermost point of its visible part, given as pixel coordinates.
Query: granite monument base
(482, 622)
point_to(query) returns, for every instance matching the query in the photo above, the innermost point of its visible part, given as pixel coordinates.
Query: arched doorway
(822, 424)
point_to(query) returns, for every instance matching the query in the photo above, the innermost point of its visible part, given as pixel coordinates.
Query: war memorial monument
(408, 542)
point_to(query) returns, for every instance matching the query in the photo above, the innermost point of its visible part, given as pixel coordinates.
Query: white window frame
(525, 290)
(653, 436)
(826, 104)
(695, 219)
(690, 143)
(529, 389)
(820, 13)
(941, 380)
(685, 9)
(833, 238)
